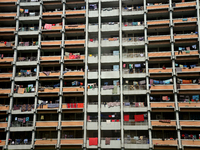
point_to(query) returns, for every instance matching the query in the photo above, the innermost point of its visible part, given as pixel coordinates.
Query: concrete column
(198, 21)
(121, 73)
(99, 78)
(86, 75)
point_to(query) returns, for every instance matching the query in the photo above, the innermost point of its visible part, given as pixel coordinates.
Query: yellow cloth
(42, 117)
(21, 10)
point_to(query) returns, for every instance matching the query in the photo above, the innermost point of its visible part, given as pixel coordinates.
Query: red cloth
(117, 120)
(53, 24)
(91, 40)
(109, 116)
(72, 105)
(113, 120)
(126, 117)
(139, 118)
(68, 105)
(93, 141)
(80, 105)
(88, 118)
(5, 42)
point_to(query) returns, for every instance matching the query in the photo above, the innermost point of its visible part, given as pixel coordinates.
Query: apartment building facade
(99, 74)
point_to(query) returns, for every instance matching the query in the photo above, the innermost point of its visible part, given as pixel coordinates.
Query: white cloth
(108, 121)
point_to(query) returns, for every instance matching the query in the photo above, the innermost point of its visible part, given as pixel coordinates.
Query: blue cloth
(176, 65)
(18, 140)
(180, 48)
(27, 118)
(35, 70)
(137, 65)
(192, 66)
(185, 19)
(25, 141)
(166, 81)
(195, 97)
(184, 65)
(156, 82)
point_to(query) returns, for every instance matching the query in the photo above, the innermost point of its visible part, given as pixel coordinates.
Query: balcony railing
(21, 124)
(157, 6)
(7, 29)
(154, 22)
(133, 39)
(28, 29)
(132, 122)
(160, 70)
(181, 20)
(165, 142)
(27, 58)
(30, 14)
(138, 8)
(127, 71)
(34, 43)
(71, 141)
(29, 0)
(133, 55)
(46, 141)
(3, 108)
(185, 4)
(136, 141)
(21, 142)
(134, 87)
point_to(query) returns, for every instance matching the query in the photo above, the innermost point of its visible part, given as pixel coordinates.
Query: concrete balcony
(133, 41)
(133, 57)
(160, 142)
(6, 1)
(114, 143)
(92, 107)
(110, 109)
(74, 42)
(162, 87)
(132, 125)
(24, 112)
(159, 38)
(165, 105)
(181, 20)
(50, 58)
(6, 60)
(3, 124)
(3, 143)
(46, 90)
(158, 22)
(109, 58)
(72, 123)
(110, 125)
(189, 123)
(127, 12)
(92, 125)
(110, 42)
(185, 36)
(45, 124)
(93, 13)
(110, 27)
(24, 95)
(191, 53)
(160, 70)
(110, 90)
(93, 59)
(162, 6)
(93, 74)
(93, 1)
(28, 33)
(22, 129)
(109, 74)
(75, 73)
(136, 144)
(156, 123)
(94, 43)
(189, 105)
(5, 91)
(93, 91)
(26, 63)
(190, 143)
(36, 18)
(27, 48)
(54, 13)
(135, 109)
(135, 74)
(91, 146)
(49, 43)
(75, 141)
(49, 142)
(93, 28)
(189, 87)
(75, 12)
(75, 27)
(25, 147)
(4, 15)
(186, 4)
(160, 55)
(46, 107)
(109, 12)
(4, 108)
(134, 89)
(5, 75)
(30, 3)
(73, 89)
(7, 29)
